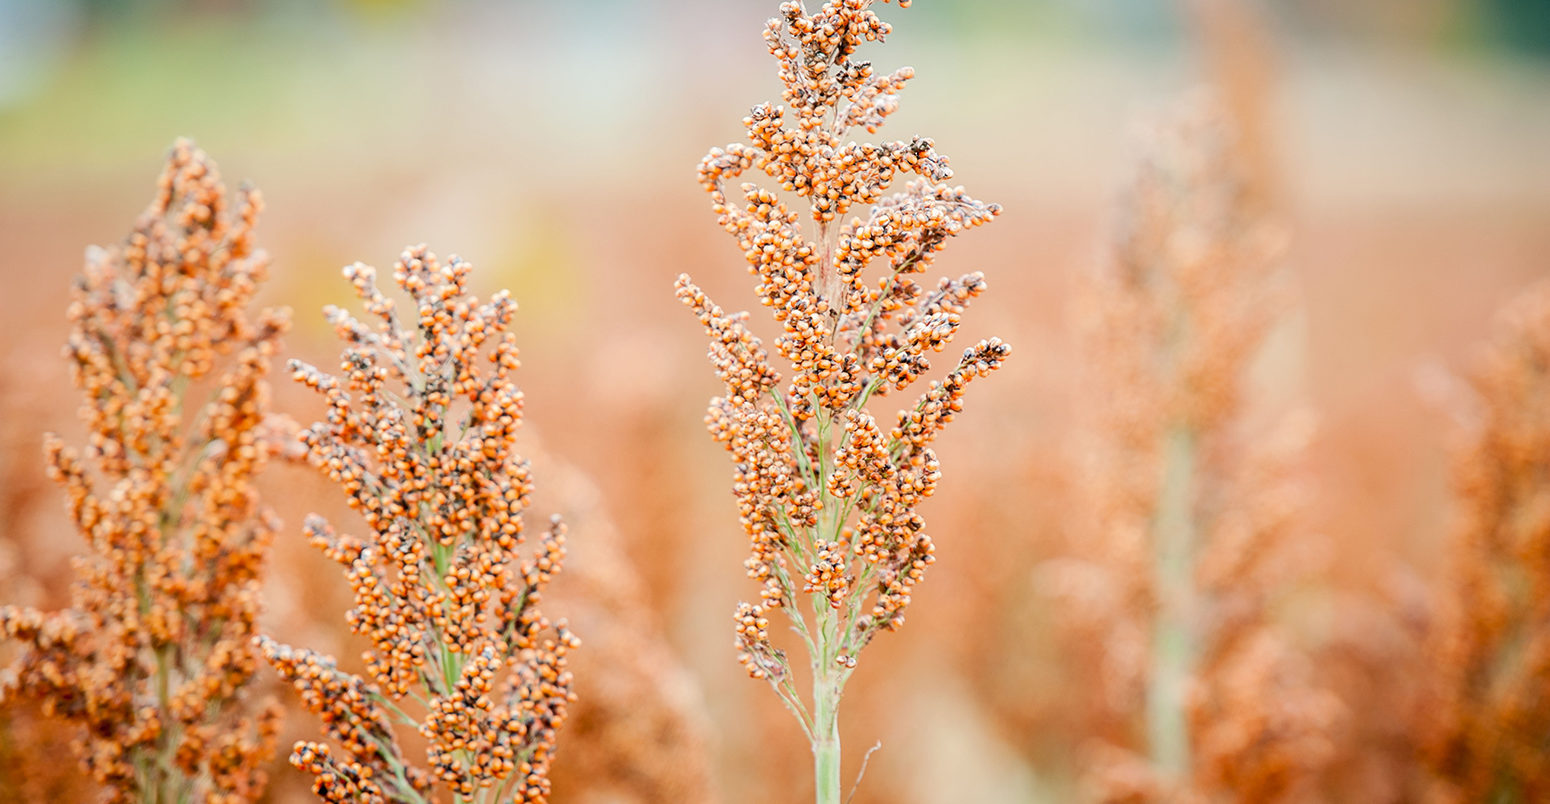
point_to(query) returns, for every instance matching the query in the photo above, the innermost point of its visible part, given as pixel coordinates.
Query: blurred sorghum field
(1258, 511)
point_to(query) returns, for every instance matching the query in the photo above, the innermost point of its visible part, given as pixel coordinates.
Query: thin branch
(859, 776)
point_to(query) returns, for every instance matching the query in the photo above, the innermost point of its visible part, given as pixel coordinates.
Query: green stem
(1172, 644)
(163, 681)
(828, 685)
(399, 779)
(797, 442)
(387, 703)
(826, 736)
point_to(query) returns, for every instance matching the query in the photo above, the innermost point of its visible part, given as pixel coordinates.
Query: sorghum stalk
(1172, 629)
(826, 736)
(827, 495)
(1197, 511)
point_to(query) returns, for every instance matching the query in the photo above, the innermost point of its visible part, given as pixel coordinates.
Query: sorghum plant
(153, 658)
(827, 495)
(1487, 723)
(426, 454)
(1195, 499)
(638, 732)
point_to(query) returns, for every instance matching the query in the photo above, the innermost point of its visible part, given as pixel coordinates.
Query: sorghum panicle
(1196, 514)
(639, 731)
(827, 494)
(1485, 722)
(153, 658)
(420, 435)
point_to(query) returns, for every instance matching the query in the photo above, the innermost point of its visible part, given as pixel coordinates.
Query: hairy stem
(826, 736)
(829, 628)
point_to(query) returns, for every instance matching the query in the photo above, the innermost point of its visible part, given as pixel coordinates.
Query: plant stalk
(1167, 723)
(826, 738)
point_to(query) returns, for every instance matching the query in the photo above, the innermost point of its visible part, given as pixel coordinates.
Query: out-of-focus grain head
(152, 660)
(1486, 720)
(639, 729)
(1196, 487)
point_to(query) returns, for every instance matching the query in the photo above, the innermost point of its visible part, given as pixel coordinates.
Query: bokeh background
(554, 145)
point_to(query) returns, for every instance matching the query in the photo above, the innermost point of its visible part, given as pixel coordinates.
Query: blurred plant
(826, 496)
(153, 658)
(30, 747)
(638, 732)
(1486, 721)
(1195, 504)
(30, 743)
(449, 605)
